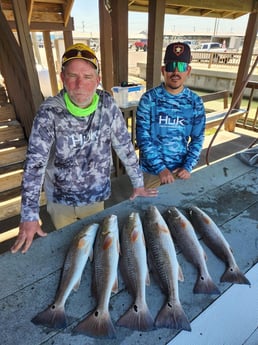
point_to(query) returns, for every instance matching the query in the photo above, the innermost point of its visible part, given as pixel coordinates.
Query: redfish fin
(172, 316)
(52, 317)
(234, 275)
(137, 319)
(206, 285)
(96, 325)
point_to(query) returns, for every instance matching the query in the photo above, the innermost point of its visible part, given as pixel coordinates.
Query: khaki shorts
(63, 215)
(151, 181)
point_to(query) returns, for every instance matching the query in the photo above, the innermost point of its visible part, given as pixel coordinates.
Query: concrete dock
(226, 190)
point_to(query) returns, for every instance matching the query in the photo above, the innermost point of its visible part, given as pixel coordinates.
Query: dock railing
(230, 59)
(250, 119)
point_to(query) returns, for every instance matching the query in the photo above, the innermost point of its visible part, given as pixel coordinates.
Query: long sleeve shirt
(72, 155)
(169, 129)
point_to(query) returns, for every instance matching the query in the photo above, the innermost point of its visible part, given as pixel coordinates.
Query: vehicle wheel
(145, 48)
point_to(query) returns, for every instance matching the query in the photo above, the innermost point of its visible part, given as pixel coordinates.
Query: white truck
(211, 51)
(212, 46)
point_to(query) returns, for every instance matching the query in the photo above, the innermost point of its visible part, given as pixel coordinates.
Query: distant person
(70, 150)
(170, 122)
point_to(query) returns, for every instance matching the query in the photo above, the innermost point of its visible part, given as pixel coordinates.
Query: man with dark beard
(170, 122)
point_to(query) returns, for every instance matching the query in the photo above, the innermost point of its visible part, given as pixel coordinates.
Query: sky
(85, 13)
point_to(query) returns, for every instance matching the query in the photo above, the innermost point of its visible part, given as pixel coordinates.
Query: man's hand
(26, 234)
(182, 173)
(141, 191)
(166, 177)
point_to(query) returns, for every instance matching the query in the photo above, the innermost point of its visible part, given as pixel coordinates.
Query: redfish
(82, 245)
(98, 323)
(163, 260)
(135, 272)
(216, 241)
(185, 236)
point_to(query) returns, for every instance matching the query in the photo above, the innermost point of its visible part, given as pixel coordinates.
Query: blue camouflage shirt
(169, 129)
(73, 155)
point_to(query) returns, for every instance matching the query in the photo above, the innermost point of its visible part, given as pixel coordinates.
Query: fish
(215, 240)
(183, 233)
(134, 269)
(78, 253)
(98, 323)
(163, 260)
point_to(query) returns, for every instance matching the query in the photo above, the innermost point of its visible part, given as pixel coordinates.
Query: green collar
(80, 112)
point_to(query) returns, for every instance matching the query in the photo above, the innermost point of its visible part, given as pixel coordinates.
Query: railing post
(210, 60)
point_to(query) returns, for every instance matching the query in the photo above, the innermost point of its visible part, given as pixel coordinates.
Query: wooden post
(119, 17)
(155, 42)
(106, 51)
(50, 62)
(18, 85)
(244, 65)
(20, 12)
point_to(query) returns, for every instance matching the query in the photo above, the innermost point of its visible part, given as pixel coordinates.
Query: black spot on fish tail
(96, 324)
(136, 318)
(52, 317)
(206, 286)
(172, 316)
(234, 275)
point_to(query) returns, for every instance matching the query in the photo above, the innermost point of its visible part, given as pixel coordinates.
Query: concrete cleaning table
(227, 191)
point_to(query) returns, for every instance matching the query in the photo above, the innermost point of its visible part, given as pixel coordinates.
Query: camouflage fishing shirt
(169, 130)
(73, 155)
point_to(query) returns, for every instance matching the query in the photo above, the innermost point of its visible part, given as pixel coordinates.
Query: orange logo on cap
(178, 49)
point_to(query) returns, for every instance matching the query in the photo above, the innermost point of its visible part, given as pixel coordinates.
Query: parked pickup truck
(219, 53)
(141, 45)
(212, 46)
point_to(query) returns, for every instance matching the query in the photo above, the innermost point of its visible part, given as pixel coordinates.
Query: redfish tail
(172, 316)
(136, 318)
(52, 317)
(234, 275)
(205, 285)
(96, 324)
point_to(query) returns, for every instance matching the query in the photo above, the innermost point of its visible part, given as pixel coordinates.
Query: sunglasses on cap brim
(84, 54)
(179, 65)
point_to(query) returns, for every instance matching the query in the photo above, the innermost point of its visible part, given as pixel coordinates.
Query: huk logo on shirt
(165, 120)
(79, 140)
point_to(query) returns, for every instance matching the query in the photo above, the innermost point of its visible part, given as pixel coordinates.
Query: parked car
(94, 45)
(41, 44)
(141, 45)
(211, 47)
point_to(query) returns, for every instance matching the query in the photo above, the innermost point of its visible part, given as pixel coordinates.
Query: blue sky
(85, 13)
